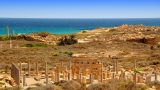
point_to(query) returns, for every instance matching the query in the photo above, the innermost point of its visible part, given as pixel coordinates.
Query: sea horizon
(68, 25)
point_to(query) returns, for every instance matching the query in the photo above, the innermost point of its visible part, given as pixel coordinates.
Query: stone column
(122, 75)
(7, 31)
(116, 66)
(156, 77)
(91, 78)
(113, 75)
(29, 68)
(69, 76)
(62, 64)
(104, 75)
(80, 75)
(70, 70)
(84, 79)
(63, 75)
(66, 74)
(57, 77)
(10, 43)
(139, 79)
(108, 74)
(46, 73)
(37, 71)
(101, 72)
(24, 80)
(1, 45)
(20, 67)
(135, 73)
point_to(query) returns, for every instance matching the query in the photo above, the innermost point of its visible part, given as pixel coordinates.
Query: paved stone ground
(31, 82)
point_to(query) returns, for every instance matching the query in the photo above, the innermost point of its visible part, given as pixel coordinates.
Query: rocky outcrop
(39, 37)
(151, 40)
(7, 81)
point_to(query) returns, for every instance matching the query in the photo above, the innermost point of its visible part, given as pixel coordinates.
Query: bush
(68, 53)
(28, 45)
(4, 38)
(112, 30)
(99, 86)
(116, 84)
(36, 45)
(84, 31)
(69, 85)
(67, 40)
(40, 45)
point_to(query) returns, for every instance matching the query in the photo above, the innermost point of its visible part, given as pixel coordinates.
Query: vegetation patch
(35, 45)
(67, 53)
(4, 38)
(84, 31)
(67, 40)
(43, 34)
(113, 30)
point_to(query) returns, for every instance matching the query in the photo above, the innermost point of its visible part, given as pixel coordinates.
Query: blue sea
(67, 26)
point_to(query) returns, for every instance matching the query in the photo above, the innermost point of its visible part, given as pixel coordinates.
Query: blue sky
(80, 8)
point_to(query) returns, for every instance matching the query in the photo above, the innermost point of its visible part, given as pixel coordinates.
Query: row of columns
(29, 72)
(67, 74)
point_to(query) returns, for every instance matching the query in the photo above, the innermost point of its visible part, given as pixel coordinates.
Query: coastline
(68, 26)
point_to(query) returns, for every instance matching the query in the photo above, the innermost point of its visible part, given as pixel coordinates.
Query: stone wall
(15, 74)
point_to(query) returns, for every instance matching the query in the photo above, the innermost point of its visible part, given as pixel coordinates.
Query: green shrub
(28, 45)
(69, 85)
(4, 38)
(67, 40)
(84, 31)
(68, 53)
(40, 45)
